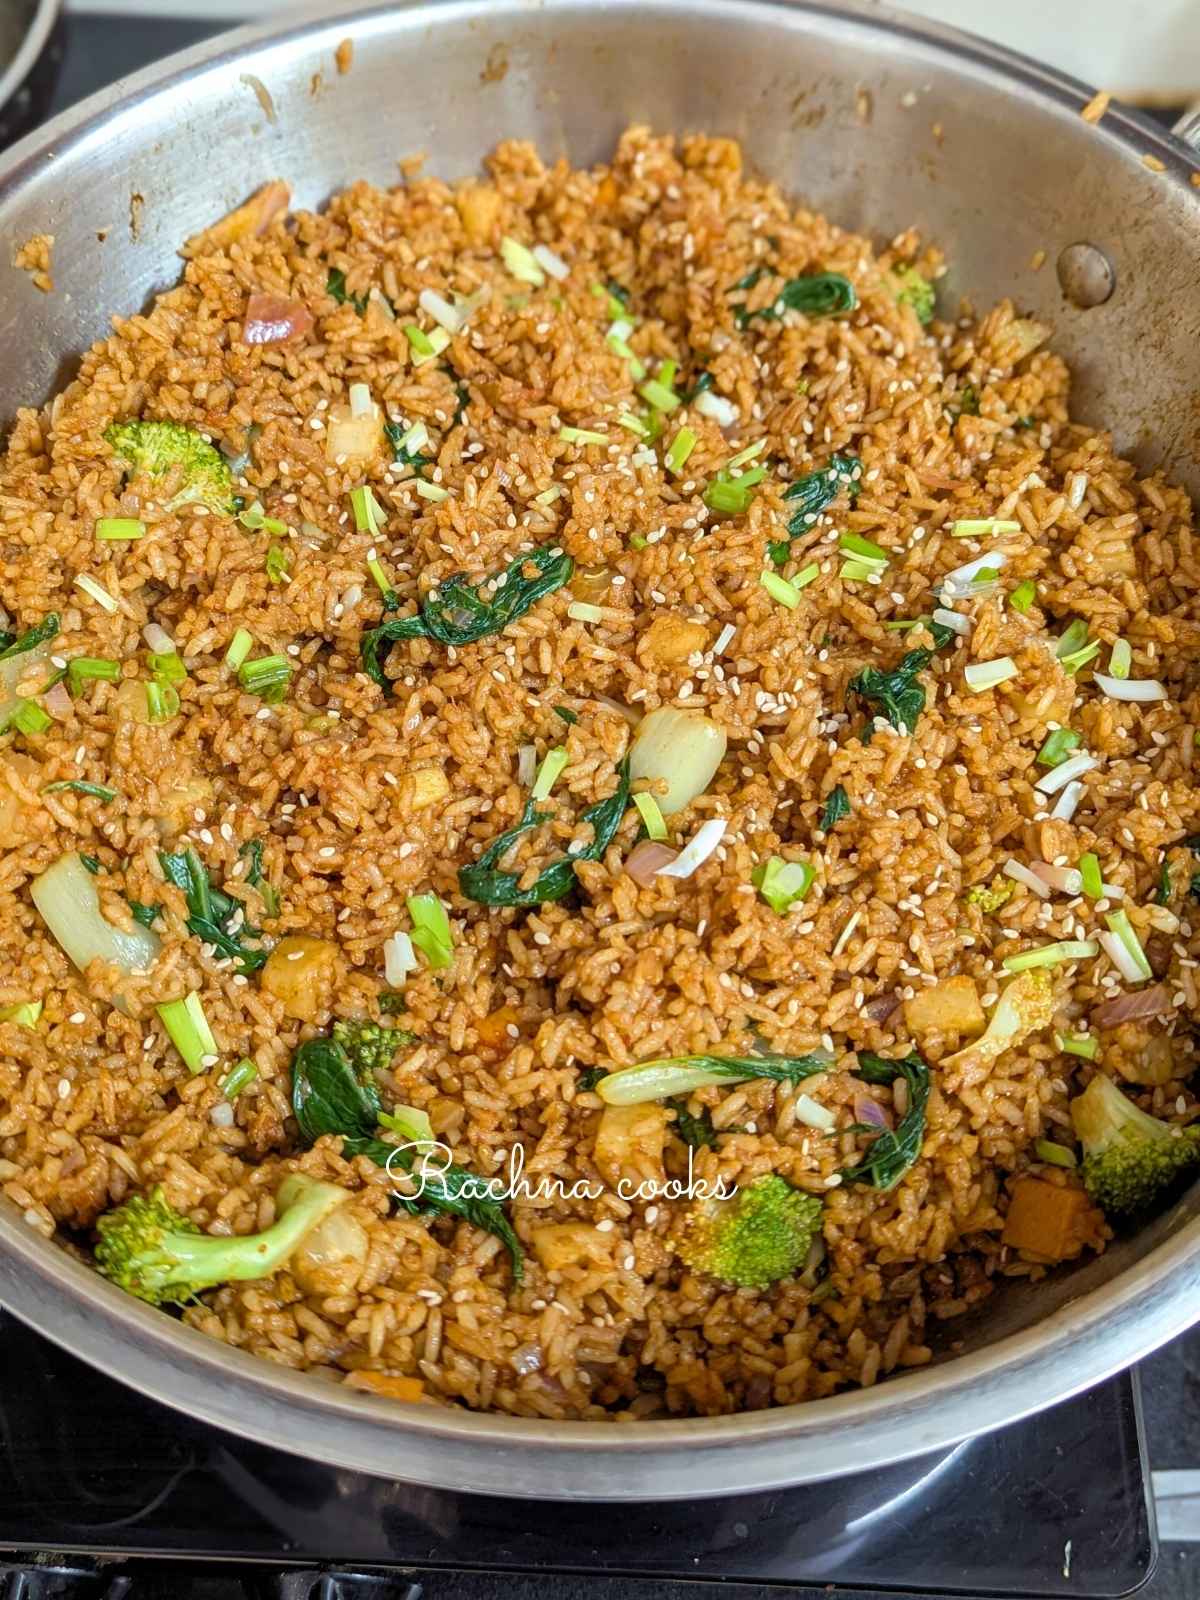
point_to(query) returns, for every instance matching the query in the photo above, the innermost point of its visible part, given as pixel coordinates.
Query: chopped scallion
(582, 436)
(651, 815)
(25, 1013)
(982, 675)
(860, 571)
(584, 611)
(276, 564)
(239, 1078)
(1023, 595)
(81, 668)
(748, 454)
(805, 576)
(1089, 871)
(431, 932)
(634, 424)
(1120, 925)
(1079, 1044)
(1079, 658)
(1052, 955)
(1059, 743)
(188, 1030)
(854, 544)
(1055, 1155)
(256, 519)
(120, 528)
(97, 592)
(782, 883)
(239, 649)
(548, 773)
(368, 514)
(268, 678)
(431, 491)
(521, 262)
(656, 393)
(162, 702)
(27, 717)
(1121, 659)
(376, 569)
(979, 528)
(682, 445)
(780, 589)
(94, 791)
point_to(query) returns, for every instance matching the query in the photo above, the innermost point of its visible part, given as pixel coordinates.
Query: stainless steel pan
(876, 119)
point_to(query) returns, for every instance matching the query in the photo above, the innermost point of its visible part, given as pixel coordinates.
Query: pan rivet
(1086, 275)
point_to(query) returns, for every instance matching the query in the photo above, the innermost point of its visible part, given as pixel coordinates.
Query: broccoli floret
(910, 288)
(990, 897)
(154, 1252)
(758, 1235)
(369, 1045)
(162, 448)
(1129, 1157)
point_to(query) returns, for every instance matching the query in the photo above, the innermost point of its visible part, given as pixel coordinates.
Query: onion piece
(697, 850)
(1151, 1002)
(715, 406)
(98, 593)
(683, 748)
(1067, 803)
(399, 959)
(812, 1114)
(275, 319)
(1031, 880)
(843, 938)
(870, 1113)
(883, 1006)
(1068, 879)
(1058, 777)
(1142, 690)
(158, 639)
(65, 895)
(982, 675)
(1122, 958)
(57, 702)
(647, 859)
(953, 620)
(963, 577)
(447, 316)
(551, 262)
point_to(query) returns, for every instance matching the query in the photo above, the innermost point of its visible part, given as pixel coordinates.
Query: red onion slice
(1131, 1007)
(870, 1112)
(647, 859)
(274, 319)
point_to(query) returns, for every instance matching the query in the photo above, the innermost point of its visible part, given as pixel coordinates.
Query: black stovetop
(1055, 1505)
(105, 1494)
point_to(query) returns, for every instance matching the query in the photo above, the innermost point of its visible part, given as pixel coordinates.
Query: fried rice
(363, 796)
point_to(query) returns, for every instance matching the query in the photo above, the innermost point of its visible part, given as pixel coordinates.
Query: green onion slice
(188, 1030)
(239, 1078)
(651, 815)
(239, 649)
(1057, 747)
(431, 933)
(549, 772)
(1052, 955)
(1089, 871)
(783, 883)
(120, 528)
